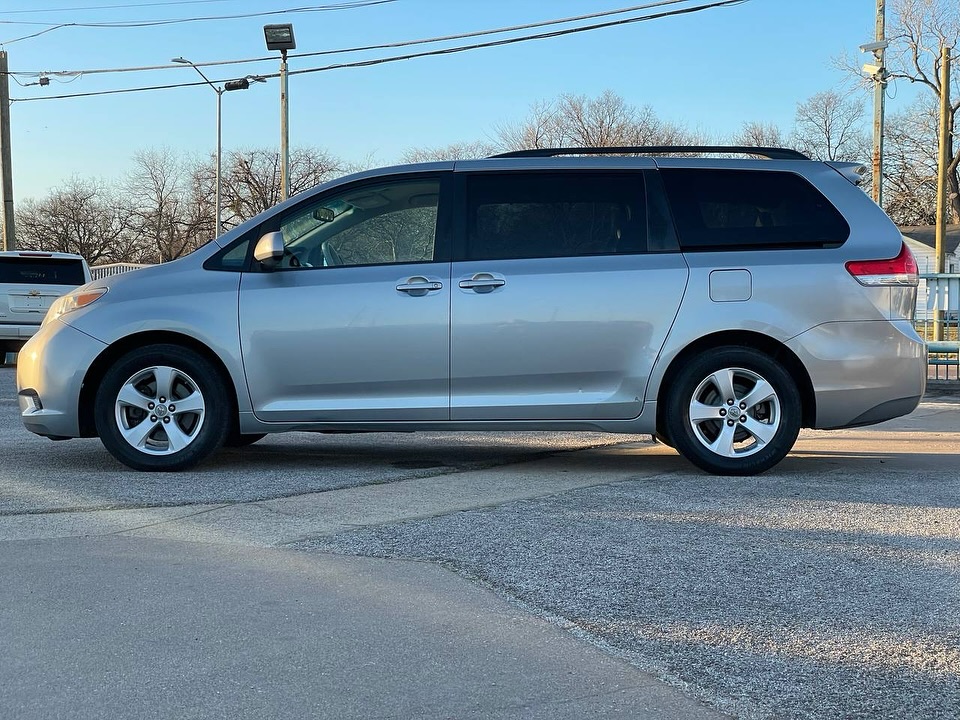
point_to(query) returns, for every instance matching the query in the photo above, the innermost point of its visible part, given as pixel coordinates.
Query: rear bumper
(50, 372)
(863, 372)
(14, 333)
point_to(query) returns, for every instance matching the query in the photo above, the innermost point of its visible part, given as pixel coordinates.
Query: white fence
(102, 271)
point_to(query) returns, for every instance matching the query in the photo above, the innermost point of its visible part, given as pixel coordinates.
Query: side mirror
(324, 215)
(269, 250)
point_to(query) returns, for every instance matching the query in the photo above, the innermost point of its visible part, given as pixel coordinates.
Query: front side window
(743, 209)
(368, 225)
(542, 215)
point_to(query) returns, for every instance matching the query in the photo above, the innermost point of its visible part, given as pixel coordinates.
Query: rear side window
(39, 271)
(744, 209)
(541, 215)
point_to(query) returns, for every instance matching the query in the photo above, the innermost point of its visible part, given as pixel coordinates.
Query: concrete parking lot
(484, 575)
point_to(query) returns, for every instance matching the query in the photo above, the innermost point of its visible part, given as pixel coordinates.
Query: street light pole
(219, 193)
(219, 92)
(284, 130)
(241, 84)
(280, 37)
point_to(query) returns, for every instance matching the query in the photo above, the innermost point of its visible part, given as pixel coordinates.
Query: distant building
(923, 241)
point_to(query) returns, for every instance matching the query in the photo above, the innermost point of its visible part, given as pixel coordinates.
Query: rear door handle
(483, 283)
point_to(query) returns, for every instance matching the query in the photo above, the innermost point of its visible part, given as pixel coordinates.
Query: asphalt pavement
(484, 575)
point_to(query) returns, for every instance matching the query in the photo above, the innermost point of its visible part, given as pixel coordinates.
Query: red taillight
(901, 270)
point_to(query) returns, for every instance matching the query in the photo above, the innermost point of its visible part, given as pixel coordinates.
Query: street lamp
(241, 84)
(280, 37)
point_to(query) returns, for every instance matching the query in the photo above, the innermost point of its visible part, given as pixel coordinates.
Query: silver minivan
(718, 303)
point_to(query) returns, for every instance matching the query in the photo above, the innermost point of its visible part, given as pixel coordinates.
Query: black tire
(750, 441)
(236, 440)
(142, 427)
(663, 439)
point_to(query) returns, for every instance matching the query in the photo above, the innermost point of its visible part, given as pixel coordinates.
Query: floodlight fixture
(279, 37)
(875, 46)
(241, 84)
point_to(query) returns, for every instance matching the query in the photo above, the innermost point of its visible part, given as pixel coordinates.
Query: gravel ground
(775, 597)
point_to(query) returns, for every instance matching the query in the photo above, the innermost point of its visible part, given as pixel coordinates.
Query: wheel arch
(756, 341)
(98, 368)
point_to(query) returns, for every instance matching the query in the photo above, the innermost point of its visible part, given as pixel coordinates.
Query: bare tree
(919, 31)
(165, 211)
(252, 179)
(760, 134)
(455, 151)
(606, 121)
(910, 164)
(830, 126)
(80, 216)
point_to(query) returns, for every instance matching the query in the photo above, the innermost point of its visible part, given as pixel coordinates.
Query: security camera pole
(879, 91)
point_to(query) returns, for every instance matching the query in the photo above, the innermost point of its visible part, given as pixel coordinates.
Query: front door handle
(483, 283)
(418, 286)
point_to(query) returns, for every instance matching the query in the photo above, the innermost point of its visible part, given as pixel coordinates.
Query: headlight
(71, 302)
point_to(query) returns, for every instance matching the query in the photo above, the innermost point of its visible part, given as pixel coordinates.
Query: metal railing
(938, 312)
(102, 271)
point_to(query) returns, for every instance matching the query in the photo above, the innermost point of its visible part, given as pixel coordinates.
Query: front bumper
(50, 372)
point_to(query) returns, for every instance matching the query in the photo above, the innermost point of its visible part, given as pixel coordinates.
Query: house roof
(927, 234)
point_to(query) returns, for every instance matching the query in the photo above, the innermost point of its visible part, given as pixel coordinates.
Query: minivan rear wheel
(162, 408)
(734, 411)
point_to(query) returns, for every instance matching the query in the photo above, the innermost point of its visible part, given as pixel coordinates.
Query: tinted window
(40, 271)
(533, 215)
(367, 225)
(737, 209)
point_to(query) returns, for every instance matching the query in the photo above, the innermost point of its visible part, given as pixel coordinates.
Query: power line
(124, 6)
(177, 21)
(510, 41)
(410, 56)
(366, 48)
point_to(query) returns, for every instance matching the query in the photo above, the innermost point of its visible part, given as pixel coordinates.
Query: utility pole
(879, 92)
(6, 169)
(942, 160)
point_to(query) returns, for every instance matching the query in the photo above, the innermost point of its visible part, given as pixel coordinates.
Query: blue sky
(711, 70)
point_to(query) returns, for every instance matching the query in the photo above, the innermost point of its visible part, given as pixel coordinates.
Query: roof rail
(772, 153)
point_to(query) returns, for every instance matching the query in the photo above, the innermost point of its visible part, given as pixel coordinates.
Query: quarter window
(539, 215)
(744, 209)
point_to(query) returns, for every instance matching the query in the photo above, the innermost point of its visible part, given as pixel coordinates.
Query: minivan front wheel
(161, 408)
(734, 411)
